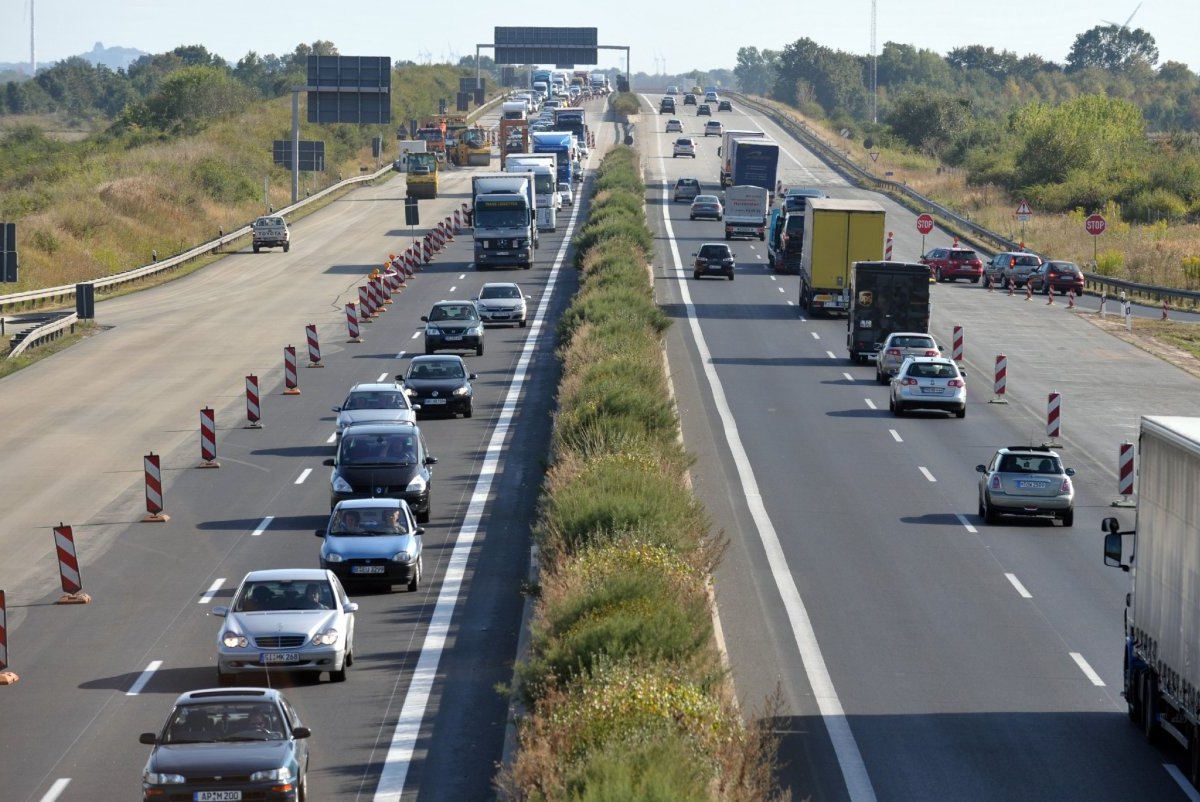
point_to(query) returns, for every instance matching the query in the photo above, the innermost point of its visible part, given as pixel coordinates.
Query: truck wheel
(1194, 756)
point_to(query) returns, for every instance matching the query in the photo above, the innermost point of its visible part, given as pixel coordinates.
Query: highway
(918, 653)
(420, 712)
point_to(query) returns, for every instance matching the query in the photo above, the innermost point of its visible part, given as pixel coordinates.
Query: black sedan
(228, 743)
(455, 326)
(439, 383)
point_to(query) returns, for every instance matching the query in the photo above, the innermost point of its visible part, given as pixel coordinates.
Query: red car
(1062, 276)
(951, 264)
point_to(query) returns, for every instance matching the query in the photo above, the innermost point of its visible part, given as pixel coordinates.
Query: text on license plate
(366, 569)
(936, 390)
(1025, 483)
(453, 338)
(276, 657)
(217, 796)
(434, 401)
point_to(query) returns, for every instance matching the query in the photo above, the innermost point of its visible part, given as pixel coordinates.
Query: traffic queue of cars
(1007, 268)
(246, 743)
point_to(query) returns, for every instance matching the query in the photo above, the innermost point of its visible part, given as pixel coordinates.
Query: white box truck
(545, 185)
(746, 212)
(504, 229)
(1162, 615)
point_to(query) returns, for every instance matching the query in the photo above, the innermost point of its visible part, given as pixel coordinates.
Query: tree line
(1107, 124)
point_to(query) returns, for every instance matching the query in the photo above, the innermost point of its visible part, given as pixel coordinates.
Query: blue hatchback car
(373, 540)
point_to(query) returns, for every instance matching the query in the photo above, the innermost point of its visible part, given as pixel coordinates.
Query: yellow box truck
(837, 233)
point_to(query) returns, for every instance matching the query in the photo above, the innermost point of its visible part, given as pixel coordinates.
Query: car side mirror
(472, 376)
(335, 409)
(431, 460)
(350, 607)
(301, 732)
(981, 469)
(420, 530)
(424, 318)
(148, 738)
(399, 377)
(220, 612)
(1114, 549)
(320, 533)
(328, 462)
(416, 407)
(1070, 471)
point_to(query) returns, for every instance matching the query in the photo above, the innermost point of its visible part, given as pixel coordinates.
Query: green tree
(928, 120)
(1111, 47)
(1091, 133)
(189, 98)
(755, 70)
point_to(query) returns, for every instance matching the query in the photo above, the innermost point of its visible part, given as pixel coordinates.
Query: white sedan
(564, 192)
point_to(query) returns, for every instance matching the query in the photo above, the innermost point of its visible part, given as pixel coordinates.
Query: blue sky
(682, 35)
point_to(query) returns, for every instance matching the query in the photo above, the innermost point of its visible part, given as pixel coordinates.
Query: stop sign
(925, 223)
(1095, 224)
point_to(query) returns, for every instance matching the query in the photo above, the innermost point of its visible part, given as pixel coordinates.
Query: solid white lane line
(399, 356)
(871, 404)
(1188, 790)
(962, 519)
(416, 334)
(332, 438)
(144, 677)
(56, 790)
(845, 747)
(1016, 583)
(265, 522)
(382, 377)
(815, 336)
(896, 436)
(208, 595)
(849, 378)
(408, 725)
(1087, 670)
(304, 474)
(926, 472)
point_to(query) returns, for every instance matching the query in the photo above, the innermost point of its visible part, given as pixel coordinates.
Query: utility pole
(874, 70)
(32, 52)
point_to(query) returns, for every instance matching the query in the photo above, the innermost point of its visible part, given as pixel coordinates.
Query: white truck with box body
(1162, 611)
(545, 185)
(503, 219)
(746, 212)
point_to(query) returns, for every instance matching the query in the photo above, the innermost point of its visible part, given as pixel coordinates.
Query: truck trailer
(885, 297)
(837, 233)
(502, 216)
(544, 167)
(723, 151)
(560, 143)
(754, 161)
(1162, 610)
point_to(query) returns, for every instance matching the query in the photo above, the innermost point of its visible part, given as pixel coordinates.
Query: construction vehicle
(514, 138)
(432, 132)
(471, 148)
(422, 178)
(837, 233)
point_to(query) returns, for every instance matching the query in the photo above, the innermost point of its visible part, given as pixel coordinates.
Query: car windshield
(390, 448)
(1029, 463)
(455, 312)
(500, 292)
(369, 522)
(375, 399)
(275, 595)
(224, 721)
(439, 369)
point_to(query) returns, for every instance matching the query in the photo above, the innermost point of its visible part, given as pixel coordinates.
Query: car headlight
(475, 331)
(155, 778)
(326, 638)
(402, 557)
(461, 390)
(340, 485)
(334, 557)
(234, 640)
(283, 774)
(417, 485)
(433, 331)
(410, 391)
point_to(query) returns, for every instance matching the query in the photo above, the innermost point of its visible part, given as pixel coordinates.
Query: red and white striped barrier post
(384, 292)
(1011, 286)
(1164, 316)
(1125, 476)
(152, 465)
(410, 263)
(314, 346)
(68, 567)
(448, 227)
(457, 221)
(1028, 291)
(208, 439)
(6, 677)
(1049, 295)
(956, 352)
(1054, 417)
(427, 249)
(364, 305)
(253, 410)
(1001, 381)
(291, 380)
(352, 324)
(887, 248)
(1071, 298)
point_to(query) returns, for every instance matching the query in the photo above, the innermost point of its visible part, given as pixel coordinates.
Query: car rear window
(964, 255)
(687, 182)
(714, 251)
(1027, 260)
(932, 370)
(912, 342)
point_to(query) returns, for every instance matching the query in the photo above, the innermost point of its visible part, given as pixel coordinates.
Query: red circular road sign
(925, 223)
(1095, 224)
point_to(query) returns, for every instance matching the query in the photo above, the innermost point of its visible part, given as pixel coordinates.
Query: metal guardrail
(43, 333)
(55, 296)
(984, 238)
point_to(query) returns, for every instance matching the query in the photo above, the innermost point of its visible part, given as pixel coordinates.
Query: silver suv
(686, 189)
(1012, 266)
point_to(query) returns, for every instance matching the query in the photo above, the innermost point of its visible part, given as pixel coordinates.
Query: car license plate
(434, 401)
(502, 253)
(217, 796)
(366, 569)
(453, 338)
(278, 657)
(1030, 485)
(932, 390)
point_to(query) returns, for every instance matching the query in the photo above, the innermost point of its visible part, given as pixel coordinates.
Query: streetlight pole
(874, 70)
